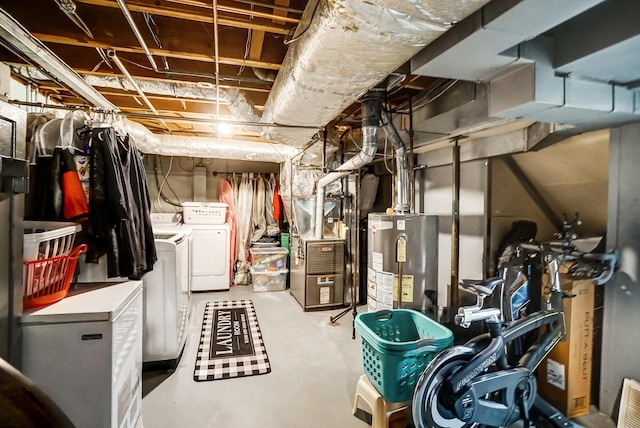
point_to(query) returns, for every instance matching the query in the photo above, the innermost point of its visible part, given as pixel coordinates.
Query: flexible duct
(371, 109)
(403, 197)
(173, 145)
(348, 47)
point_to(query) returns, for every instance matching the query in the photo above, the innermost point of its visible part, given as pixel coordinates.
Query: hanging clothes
(243, 239)
(243, 217)
(273, 228)
(277, 205)
(226, 194)
(120, 223)
(235, 182)
(259, 221)
(74, 201)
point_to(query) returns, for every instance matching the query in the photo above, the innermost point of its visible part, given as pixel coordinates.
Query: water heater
(418, 234)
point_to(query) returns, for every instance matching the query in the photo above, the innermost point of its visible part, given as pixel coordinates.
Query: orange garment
(225, 194)
(74, 199)
(277, 204)
(74, 204)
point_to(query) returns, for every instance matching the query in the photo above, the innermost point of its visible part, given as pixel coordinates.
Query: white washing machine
(172, 222)
(166, 299)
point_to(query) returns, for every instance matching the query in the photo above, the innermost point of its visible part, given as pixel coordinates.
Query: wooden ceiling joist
(179, 13)
(70, 41)
(199, 3)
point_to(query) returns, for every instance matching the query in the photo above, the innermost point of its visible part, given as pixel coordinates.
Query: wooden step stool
(381, 409)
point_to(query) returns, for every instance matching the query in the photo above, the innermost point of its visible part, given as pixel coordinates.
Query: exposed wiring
(165, 179)
(428, 97)
(295, 39)
(105, 60)
(183, 168)
(247, 45)
(386, 139)
(279, 152)
(354, 141)
(155, 33)
(159, 186)
(199, 75)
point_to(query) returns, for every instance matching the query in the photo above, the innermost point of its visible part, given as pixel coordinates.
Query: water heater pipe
(403, 197)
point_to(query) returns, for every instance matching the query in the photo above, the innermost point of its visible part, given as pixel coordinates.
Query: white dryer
(210, 255)
(210, 246)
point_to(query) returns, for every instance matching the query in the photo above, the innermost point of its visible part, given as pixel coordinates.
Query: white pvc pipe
(366, 155)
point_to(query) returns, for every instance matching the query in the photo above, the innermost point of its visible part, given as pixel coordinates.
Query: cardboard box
(564, 377)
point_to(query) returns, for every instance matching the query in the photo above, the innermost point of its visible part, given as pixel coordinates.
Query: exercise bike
(479, 384)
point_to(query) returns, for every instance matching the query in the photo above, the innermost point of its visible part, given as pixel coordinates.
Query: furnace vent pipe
(371, 110)
(403, 197)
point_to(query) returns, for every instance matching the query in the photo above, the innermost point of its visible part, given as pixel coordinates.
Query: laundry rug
(230, 343)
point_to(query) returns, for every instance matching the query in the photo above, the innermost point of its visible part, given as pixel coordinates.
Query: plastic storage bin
(268, 259)
(397, 346)
(47, 239)
(204, 212)
(269, 281)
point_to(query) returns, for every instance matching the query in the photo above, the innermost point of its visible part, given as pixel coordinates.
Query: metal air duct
(544, 95)
(403, 195)
(371, 110)
(477, 44)
(347, 47)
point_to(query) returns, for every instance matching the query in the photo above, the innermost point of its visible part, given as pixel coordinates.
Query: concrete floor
(314, 370)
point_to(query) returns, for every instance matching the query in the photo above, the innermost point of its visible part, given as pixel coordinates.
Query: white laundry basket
(204, 212)
(47, 239)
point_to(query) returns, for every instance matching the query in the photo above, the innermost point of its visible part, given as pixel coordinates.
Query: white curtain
(243, 216)
(272, 225)
(259, 221)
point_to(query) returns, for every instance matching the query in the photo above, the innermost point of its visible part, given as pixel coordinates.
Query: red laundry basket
(48, 280)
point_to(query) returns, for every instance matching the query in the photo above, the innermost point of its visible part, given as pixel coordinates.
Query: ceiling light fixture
(225, 129)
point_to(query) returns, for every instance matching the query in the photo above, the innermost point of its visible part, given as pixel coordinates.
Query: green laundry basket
(397, 346)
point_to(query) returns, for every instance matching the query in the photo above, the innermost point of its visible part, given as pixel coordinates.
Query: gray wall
(621, 335)
(434, 196)
(181, 176)
(571, 177)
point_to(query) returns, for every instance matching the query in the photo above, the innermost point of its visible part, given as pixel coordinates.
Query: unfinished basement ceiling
(253, 40)
(470, 68)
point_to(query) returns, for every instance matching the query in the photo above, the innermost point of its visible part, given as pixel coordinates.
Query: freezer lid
(86, 303)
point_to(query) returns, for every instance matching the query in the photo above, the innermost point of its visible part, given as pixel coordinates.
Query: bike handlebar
(609, 261)
(606, 263)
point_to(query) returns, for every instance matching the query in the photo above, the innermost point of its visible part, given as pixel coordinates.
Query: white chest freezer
(85, 352)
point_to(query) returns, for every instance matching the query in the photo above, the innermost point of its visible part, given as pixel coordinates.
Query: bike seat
(481, 287)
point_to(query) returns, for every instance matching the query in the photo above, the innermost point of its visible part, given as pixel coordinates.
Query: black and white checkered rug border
(213, 369)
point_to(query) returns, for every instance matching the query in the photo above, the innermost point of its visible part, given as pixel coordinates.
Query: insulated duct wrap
(156, 87)
(303, 183)
(347, 48)
(173, 145)
(244, 110)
